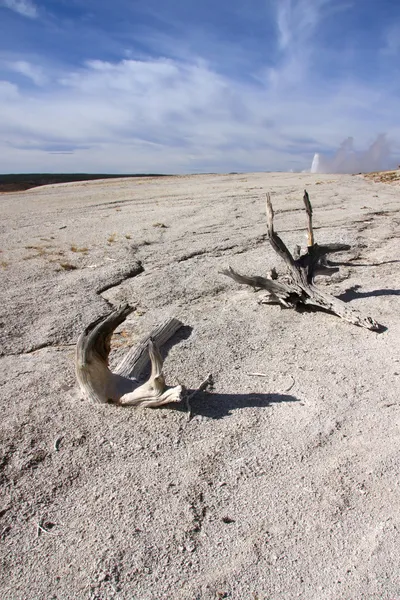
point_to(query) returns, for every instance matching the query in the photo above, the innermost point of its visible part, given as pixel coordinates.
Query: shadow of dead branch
(218, 406)
(351, 263)
(182, 334)
(352, 293)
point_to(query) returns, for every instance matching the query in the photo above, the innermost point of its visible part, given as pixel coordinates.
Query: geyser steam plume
(348, 160)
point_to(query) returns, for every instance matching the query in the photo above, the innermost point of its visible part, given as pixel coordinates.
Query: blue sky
(194, 86)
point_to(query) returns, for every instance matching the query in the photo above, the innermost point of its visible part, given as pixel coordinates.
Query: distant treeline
(24, 181)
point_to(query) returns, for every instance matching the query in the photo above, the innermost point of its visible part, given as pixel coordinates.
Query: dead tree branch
(99, 384)
(298, 287)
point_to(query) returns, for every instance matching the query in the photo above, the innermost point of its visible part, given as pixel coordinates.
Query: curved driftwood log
(298, 287)
(99, 384)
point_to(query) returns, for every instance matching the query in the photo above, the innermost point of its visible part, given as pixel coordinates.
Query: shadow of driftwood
(217, 406)
(350, 263)
(346, 296)
(182, 334)
(353, 294)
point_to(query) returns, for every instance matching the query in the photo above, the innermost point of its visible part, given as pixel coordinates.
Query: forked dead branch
(297, 287)
(99, 384)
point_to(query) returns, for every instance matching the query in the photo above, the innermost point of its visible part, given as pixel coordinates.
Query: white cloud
(8, 92)
(297, 19)
(172, 116)
(181, 114)
(25, 8)
(283, 22)
(296, 22)
(33, 72)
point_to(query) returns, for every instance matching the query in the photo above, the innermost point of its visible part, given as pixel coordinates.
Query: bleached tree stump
(99, 384)
(298, 287)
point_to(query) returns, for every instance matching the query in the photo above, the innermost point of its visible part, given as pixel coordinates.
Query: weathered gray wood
(275, 241)
(279, 291)
(307, 204)
(99, 384)
(91, 358)
(302, 268)
(321, 299)
(136, 359)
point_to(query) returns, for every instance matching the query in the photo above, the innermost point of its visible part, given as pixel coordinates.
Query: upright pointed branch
(276, 242)
(99, 384)
(298, 287)
(307, 203)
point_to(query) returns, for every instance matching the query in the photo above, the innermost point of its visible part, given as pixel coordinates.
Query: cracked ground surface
(281, 486)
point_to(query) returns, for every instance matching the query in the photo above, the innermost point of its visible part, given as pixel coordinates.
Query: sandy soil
(280, 487)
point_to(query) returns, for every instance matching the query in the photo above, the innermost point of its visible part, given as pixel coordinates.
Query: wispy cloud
(33, 72)
(297, 19)
(26, 8)
(297, 23)
(176, 106)
(183, 115)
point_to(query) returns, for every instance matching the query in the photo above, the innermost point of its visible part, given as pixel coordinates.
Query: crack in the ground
(54, 339)
(218, 251)
(124, 276)
(37, 347)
